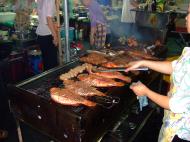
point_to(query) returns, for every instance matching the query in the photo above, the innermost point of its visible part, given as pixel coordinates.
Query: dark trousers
(4, 107)
(49, 51)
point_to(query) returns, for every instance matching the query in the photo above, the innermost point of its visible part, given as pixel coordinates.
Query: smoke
(142, 32)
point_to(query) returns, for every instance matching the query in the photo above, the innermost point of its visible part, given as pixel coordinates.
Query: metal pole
(61, 60)
(66, 21)
(19, 132)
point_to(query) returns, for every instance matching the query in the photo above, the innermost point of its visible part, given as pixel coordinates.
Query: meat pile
(117, 59)
(82, 82)
(80, 86)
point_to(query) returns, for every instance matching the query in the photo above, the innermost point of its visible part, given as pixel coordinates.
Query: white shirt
(45, 8)
(127, 15)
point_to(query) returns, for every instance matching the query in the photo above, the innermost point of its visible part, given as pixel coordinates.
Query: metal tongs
(105, 101)
(120, 69)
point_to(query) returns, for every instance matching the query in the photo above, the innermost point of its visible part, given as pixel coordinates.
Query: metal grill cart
(31, 104)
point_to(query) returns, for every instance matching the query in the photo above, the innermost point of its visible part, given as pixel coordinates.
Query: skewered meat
(66, 97)
(75, 71)
(114, 75)
(99, 81)
(83, 89)
(94, 58)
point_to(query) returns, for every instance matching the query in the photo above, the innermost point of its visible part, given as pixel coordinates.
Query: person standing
(128, 17)
(47, 33)
(98, 22)
(176, 120)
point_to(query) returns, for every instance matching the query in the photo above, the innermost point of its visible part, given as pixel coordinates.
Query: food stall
(100, 115)
(94, 118)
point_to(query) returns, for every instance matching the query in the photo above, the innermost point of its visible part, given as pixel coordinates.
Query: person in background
(176, 121)
(98, 23)
(128, 16)
(47, 33)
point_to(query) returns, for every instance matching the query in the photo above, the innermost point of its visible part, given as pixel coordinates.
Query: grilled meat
(99, 81)
(94, 58)
(66, 97)
(132, 42)
(141, 55)
(83, 89)
(68, 82)
(75, 71)
(114, 75)
(118, 62)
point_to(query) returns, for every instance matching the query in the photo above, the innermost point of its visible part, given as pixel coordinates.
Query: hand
(139, 88)
(133, 65)
(55, 40)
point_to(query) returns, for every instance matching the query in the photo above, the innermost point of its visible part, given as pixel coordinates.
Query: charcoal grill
(31, 104)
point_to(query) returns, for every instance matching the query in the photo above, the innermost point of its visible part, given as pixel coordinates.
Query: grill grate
(42, 88)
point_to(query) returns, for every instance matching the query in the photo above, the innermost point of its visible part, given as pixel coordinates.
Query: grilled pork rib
(94, 58)
(99, 81)
(66, 97)
(83, 89)
(114, 75)
(118, 62)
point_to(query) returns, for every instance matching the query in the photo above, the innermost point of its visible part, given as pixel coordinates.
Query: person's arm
(159, 66)
(51, 26)
(141, 90)
(49, 8)
(161, 100)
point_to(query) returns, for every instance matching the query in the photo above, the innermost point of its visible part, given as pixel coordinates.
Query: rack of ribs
(99, 81)
(118, 62)
(66, 97)
(94, 58)
(114, 75)
(140, 54)
(83, 89)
